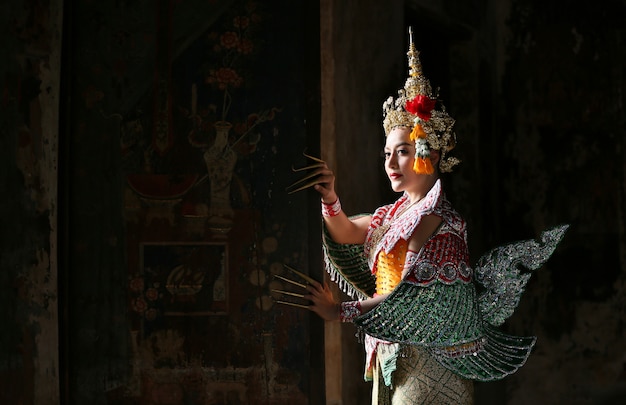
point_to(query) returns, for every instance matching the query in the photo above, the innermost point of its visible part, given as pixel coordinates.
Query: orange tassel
(417, 132)
(423, 166)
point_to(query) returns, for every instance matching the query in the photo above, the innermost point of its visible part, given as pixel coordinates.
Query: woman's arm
(344, 230)
(339, 226)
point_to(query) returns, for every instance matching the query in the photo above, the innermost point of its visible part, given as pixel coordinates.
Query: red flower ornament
(422, 106)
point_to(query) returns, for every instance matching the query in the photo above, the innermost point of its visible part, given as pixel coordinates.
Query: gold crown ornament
(415, 108)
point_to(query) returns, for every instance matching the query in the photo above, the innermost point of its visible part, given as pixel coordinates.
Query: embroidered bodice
(396, 222)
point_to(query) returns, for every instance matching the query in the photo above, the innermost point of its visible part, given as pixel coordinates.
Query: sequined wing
(440, 315)
(444, 318)
(493, 357)
(347, 266)
(499, 271)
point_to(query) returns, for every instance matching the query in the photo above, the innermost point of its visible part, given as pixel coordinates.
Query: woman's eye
(397, 152)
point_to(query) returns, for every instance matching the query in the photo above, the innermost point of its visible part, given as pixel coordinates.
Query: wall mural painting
(206, 120)
(201, 226)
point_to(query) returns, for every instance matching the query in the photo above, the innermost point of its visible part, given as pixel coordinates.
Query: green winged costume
(443, 305)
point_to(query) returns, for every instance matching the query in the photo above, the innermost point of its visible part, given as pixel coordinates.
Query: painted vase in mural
(220, 160)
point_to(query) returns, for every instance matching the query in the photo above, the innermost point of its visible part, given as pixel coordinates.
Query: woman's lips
(395, 176)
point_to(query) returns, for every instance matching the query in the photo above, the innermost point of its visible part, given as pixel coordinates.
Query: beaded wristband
(331, 210)
(348, 310)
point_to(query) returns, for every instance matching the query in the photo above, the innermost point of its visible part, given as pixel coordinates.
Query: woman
(407, 386)
(428, 334)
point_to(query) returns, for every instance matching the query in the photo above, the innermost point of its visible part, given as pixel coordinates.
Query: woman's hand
(322, 301)
(325, 185)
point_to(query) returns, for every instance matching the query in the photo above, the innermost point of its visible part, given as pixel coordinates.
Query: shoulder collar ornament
(396, 221)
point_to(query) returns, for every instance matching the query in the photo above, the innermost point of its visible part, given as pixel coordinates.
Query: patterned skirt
(420, 379)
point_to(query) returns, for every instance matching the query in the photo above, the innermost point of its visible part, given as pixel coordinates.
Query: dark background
(538, 93)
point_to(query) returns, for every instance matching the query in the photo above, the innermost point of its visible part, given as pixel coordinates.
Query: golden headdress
(415, 108)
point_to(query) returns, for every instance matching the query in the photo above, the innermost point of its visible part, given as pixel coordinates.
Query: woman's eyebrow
(398, 145)
(386, 148)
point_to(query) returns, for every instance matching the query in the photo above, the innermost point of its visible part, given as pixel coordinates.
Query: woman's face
(399, 157)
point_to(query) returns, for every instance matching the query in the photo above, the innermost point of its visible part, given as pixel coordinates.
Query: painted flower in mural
(229, 40)
(152, 294)
(136, 284)
(144, 298)
(140, 305)
(151, 314)
(225, 73)
(231, 47)
(241, 22)
(224, 78)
